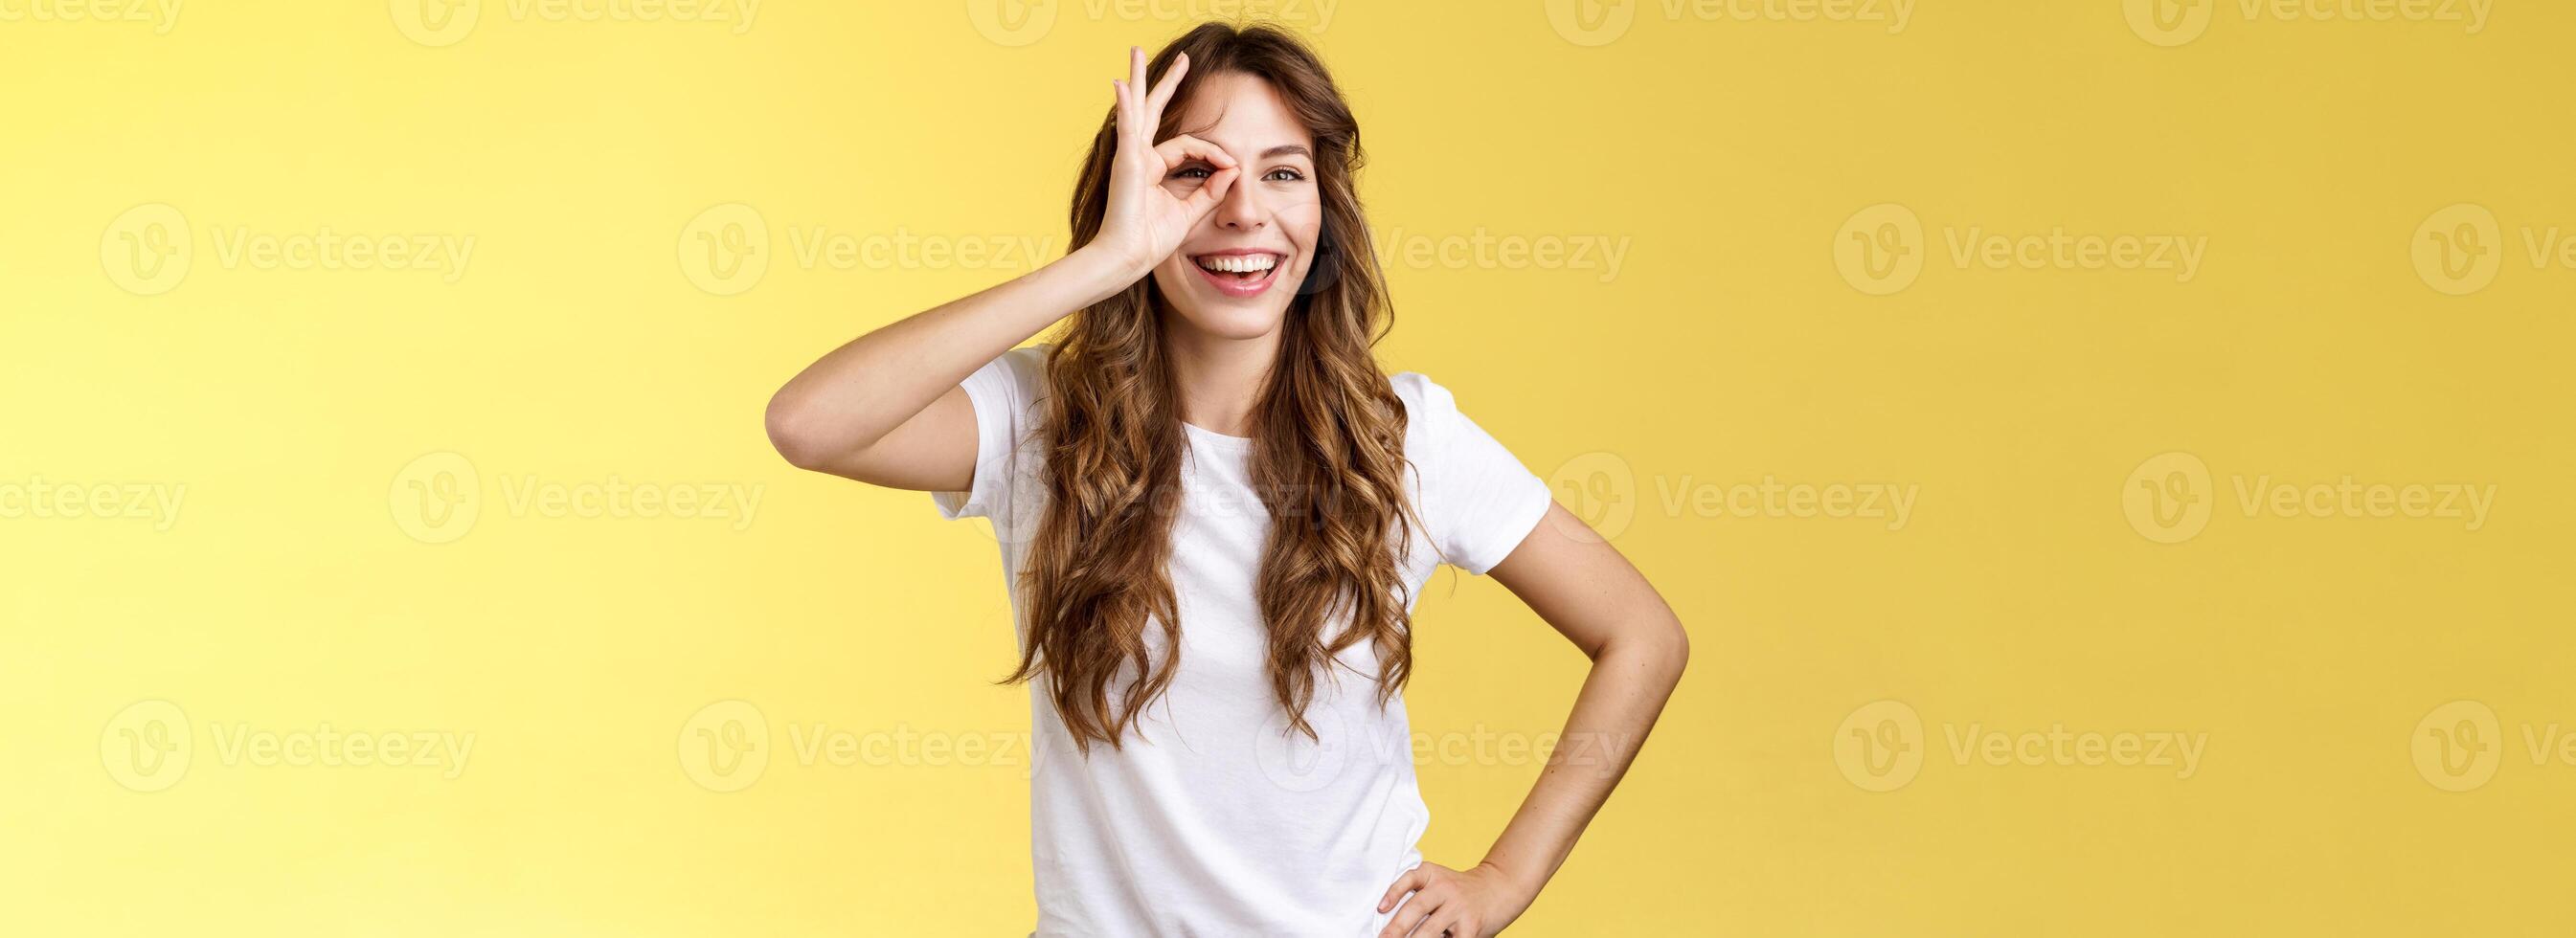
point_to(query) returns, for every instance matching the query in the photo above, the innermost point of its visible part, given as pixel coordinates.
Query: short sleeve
(1478, 501)
(1004, 393)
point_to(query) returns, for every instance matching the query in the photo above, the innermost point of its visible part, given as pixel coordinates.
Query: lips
(1239, 273)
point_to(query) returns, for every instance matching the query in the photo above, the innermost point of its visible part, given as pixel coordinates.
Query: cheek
(1304, 226)
(1173, 274)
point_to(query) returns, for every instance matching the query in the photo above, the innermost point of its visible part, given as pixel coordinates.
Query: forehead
(1240, 113)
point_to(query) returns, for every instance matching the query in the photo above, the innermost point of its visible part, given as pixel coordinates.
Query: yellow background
(291, 590)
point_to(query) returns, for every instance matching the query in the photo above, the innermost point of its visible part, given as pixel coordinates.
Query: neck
(1219, 379)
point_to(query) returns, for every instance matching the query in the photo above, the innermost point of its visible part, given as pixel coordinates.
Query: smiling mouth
(1240, 274)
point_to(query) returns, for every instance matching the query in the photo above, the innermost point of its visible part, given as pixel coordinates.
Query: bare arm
(886, 407)
(1597, 600)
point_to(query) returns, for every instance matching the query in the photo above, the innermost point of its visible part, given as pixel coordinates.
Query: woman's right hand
(1146, 218)
(887, 407)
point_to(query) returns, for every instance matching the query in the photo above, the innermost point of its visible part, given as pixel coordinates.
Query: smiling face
(1236, 273)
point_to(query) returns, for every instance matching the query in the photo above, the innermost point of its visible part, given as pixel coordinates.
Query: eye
(1285, 174)
(1193, 171)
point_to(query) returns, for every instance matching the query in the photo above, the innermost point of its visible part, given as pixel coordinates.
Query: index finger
(1136, 84)
(1403, 884)
(1163, 90)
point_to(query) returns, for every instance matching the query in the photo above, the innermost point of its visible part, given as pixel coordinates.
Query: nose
(1243, 209)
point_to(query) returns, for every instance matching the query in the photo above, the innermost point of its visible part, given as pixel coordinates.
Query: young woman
(1215, 513)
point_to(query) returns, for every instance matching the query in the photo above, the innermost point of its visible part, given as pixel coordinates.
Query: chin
(1230, 321)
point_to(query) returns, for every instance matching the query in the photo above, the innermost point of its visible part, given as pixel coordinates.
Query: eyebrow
(1287, 150)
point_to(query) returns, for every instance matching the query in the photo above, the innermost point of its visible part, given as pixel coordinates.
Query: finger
(1126, 121)
(1414, 911)
(1136, 88)
(1403, 884)
(1164, 89)
(1447, 922)
(1211, 192)
(1183, 148)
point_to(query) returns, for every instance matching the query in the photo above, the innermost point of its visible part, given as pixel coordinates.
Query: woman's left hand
(1473, 903)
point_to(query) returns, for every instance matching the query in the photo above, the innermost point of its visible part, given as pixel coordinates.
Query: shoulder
(1478, 500)
(1427, 405)
(1017, 376)
(1028, 360)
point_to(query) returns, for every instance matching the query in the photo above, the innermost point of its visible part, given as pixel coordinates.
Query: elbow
(1651, 655)
(792, 432)
(1667, 652)
(1677, 650)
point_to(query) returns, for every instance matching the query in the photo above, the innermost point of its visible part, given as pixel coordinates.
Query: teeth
(1238, 263)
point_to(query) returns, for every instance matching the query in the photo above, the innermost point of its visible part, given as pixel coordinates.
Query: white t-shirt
(1216, 819)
